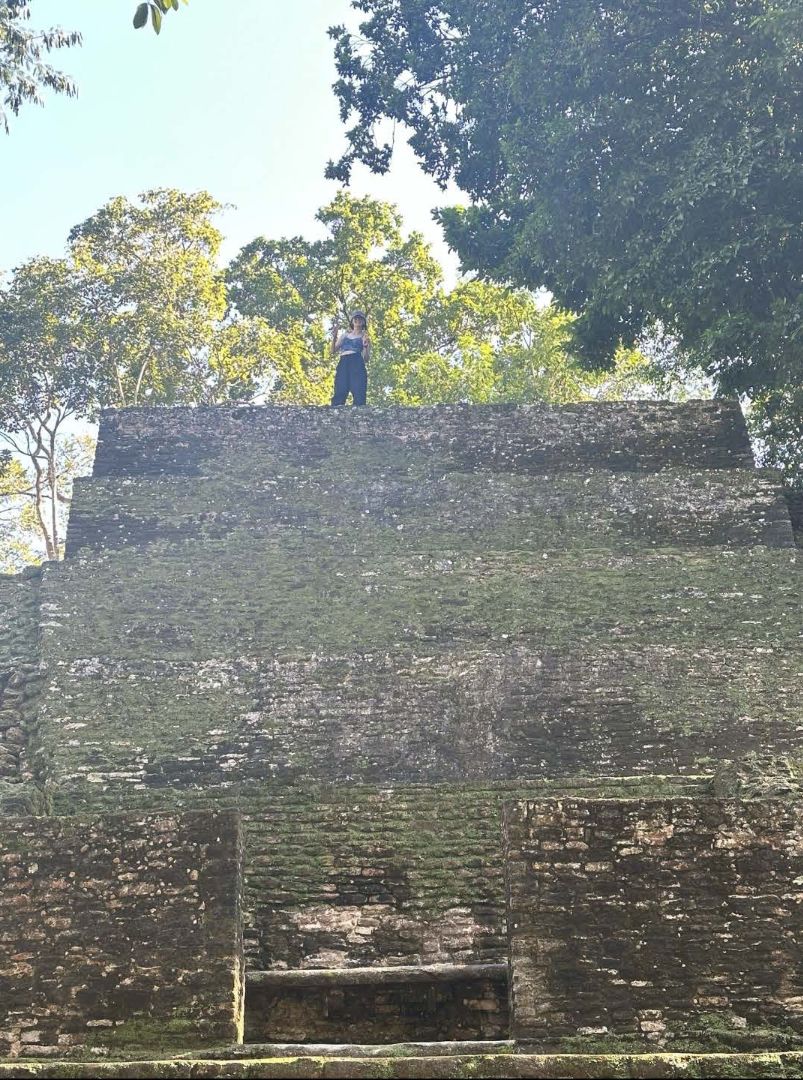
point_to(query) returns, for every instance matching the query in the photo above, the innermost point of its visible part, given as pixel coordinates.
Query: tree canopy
(477, 341)
(300, 288)
(48, 376)
(24, 72)
(642, 160)
(135, 312)
(152, 294)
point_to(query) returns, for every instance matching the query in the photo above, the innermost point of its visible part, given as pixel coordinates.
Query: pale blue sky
(241, 106)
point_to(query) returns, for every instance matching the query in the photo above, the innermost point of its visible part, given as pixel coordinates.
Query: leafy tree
(137, 312)
(640, 159)
(24, 74)
(26, 534)
(47, 378)
(134, 313)
(299, 289)
(775, 420)
(479, 341)
(486, 343)
(155, 299)
(16, 550)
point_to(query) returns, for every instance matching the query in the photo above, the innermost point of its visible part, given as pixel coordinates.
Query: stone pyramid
(470, 725)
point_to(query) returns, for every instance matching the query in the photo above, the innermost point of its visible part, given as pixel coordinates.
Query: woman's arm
(337, 336)
(366, 347)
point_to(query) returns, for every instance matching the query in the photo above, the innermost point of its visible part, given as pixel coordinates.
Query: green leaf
(156, 19)
(140, 16)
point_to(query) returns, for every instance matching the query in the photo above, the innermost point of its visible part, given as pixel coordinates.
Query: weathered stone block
(120, 931)
(680, 920)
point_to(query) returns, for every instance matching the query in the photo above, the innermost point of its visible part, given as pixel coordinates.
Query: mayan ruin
(407, 742)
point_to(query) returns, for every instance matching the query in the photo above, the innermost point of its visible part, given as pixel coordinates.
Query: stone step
(217, 599)
(441, 1048)
(528, 438)
(378, 975)
(391, 716)
(394, 513)
(443, 1064)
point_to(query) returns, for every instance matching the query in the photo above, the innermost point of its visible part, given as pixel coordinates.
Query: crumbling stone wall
(367, 630)
(19, 685)
(343, 875)
(656, 920)
(224, 600)
(119, 931)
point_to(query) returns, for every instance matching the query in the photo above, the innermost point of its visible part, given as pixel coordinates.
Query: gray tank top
(351, 345)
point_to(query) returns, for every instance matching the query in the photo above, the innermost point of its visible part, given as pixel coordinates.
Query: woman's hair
(358, 315)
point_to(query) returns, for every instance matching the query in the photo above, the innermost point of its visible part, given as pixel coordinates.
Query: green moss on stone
(210, 602)
(423, 506)
(644, 1066)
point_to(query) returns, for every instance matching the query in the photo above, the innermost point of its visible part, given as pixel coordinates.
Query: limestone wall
(389, 510)
(366, 631)
(126, 725)
(226, 600)
(466, 438)
(119, 931)
(397, 595)
(354, 874)
(655, 920)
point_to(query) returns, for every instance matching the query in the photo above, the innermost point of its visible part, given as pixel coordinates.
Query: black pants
(350, 378)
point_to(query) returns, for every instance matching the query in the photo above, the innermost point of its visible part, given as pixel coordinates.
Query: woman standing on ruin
(353, 346)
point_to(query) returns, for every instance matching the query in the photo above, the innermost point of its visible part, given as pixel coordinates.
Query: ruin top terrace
(621, 436)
